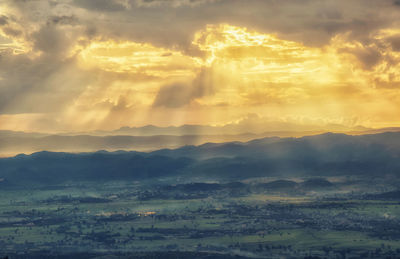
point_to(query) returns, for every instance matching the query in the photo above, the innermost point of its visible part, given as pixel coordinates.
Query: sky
(82, 65)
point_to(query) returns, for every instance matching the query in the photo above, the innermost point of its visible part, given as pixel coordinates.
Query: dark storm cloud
(172, 23)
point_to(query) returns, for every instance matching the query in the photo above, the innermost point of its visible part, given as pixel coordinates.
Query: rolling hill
(321, 155)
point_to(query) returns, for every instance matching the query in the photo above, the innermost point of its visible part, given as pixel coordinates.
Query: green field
(256, 224)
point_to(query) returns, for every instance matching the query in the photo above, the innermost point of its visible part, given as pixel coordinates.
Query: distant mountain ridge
(150, 137)
(242, 127)
(313, 156)
(15, 143)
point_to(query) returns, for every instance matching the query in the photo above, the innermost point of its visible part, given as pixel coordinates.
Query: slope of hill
(151, 137)
(320, 155)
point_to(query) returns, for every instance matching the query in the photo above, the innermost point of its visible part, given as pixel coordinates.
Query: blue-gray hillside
(321, 155)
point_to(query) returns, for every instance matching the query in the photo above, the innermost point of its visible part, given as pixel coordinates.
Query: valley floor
(134, 221)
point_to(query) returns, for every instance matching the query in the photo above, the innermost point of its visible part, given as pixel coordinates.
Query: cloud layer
(75, 65)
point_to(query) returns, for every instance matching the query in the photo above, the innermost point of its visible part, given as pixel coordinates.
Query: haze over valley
(199, 129)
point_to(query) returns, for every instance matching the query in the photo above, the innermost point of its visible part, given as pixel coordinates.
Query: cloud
(63, 20)
(135, 57)
(12, 32)
(51, 40)
(177, 95)
(38, 86)
(369, 57)
(3, 20)
(174, 3)
(102, 5)
(395, 43)
(320, 58)
(174, 95)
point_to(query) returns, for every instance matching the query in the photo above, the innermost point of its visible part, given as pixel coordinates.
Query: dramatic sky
(79, 65)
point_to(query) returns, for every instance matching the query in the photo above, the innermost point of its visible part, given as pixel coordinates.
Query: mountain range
(325, 155)
(150, 137)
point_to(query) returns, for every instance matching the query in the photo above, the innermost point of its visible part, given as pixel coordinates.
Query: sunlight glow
(131, 57)
(239, 71)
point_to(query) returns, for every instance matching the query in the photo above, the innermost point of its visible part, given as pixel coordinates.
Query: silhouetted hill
(151, 137)
(394, 195)
(316, 183)
(279, 184)
(195, 187)
(49, 167)
(255, 126)
(19, 142)
(315, 156)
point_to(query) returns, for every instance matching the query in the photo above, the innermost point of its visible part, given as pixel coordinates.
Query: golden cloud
(138, 58)
(250, 72)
